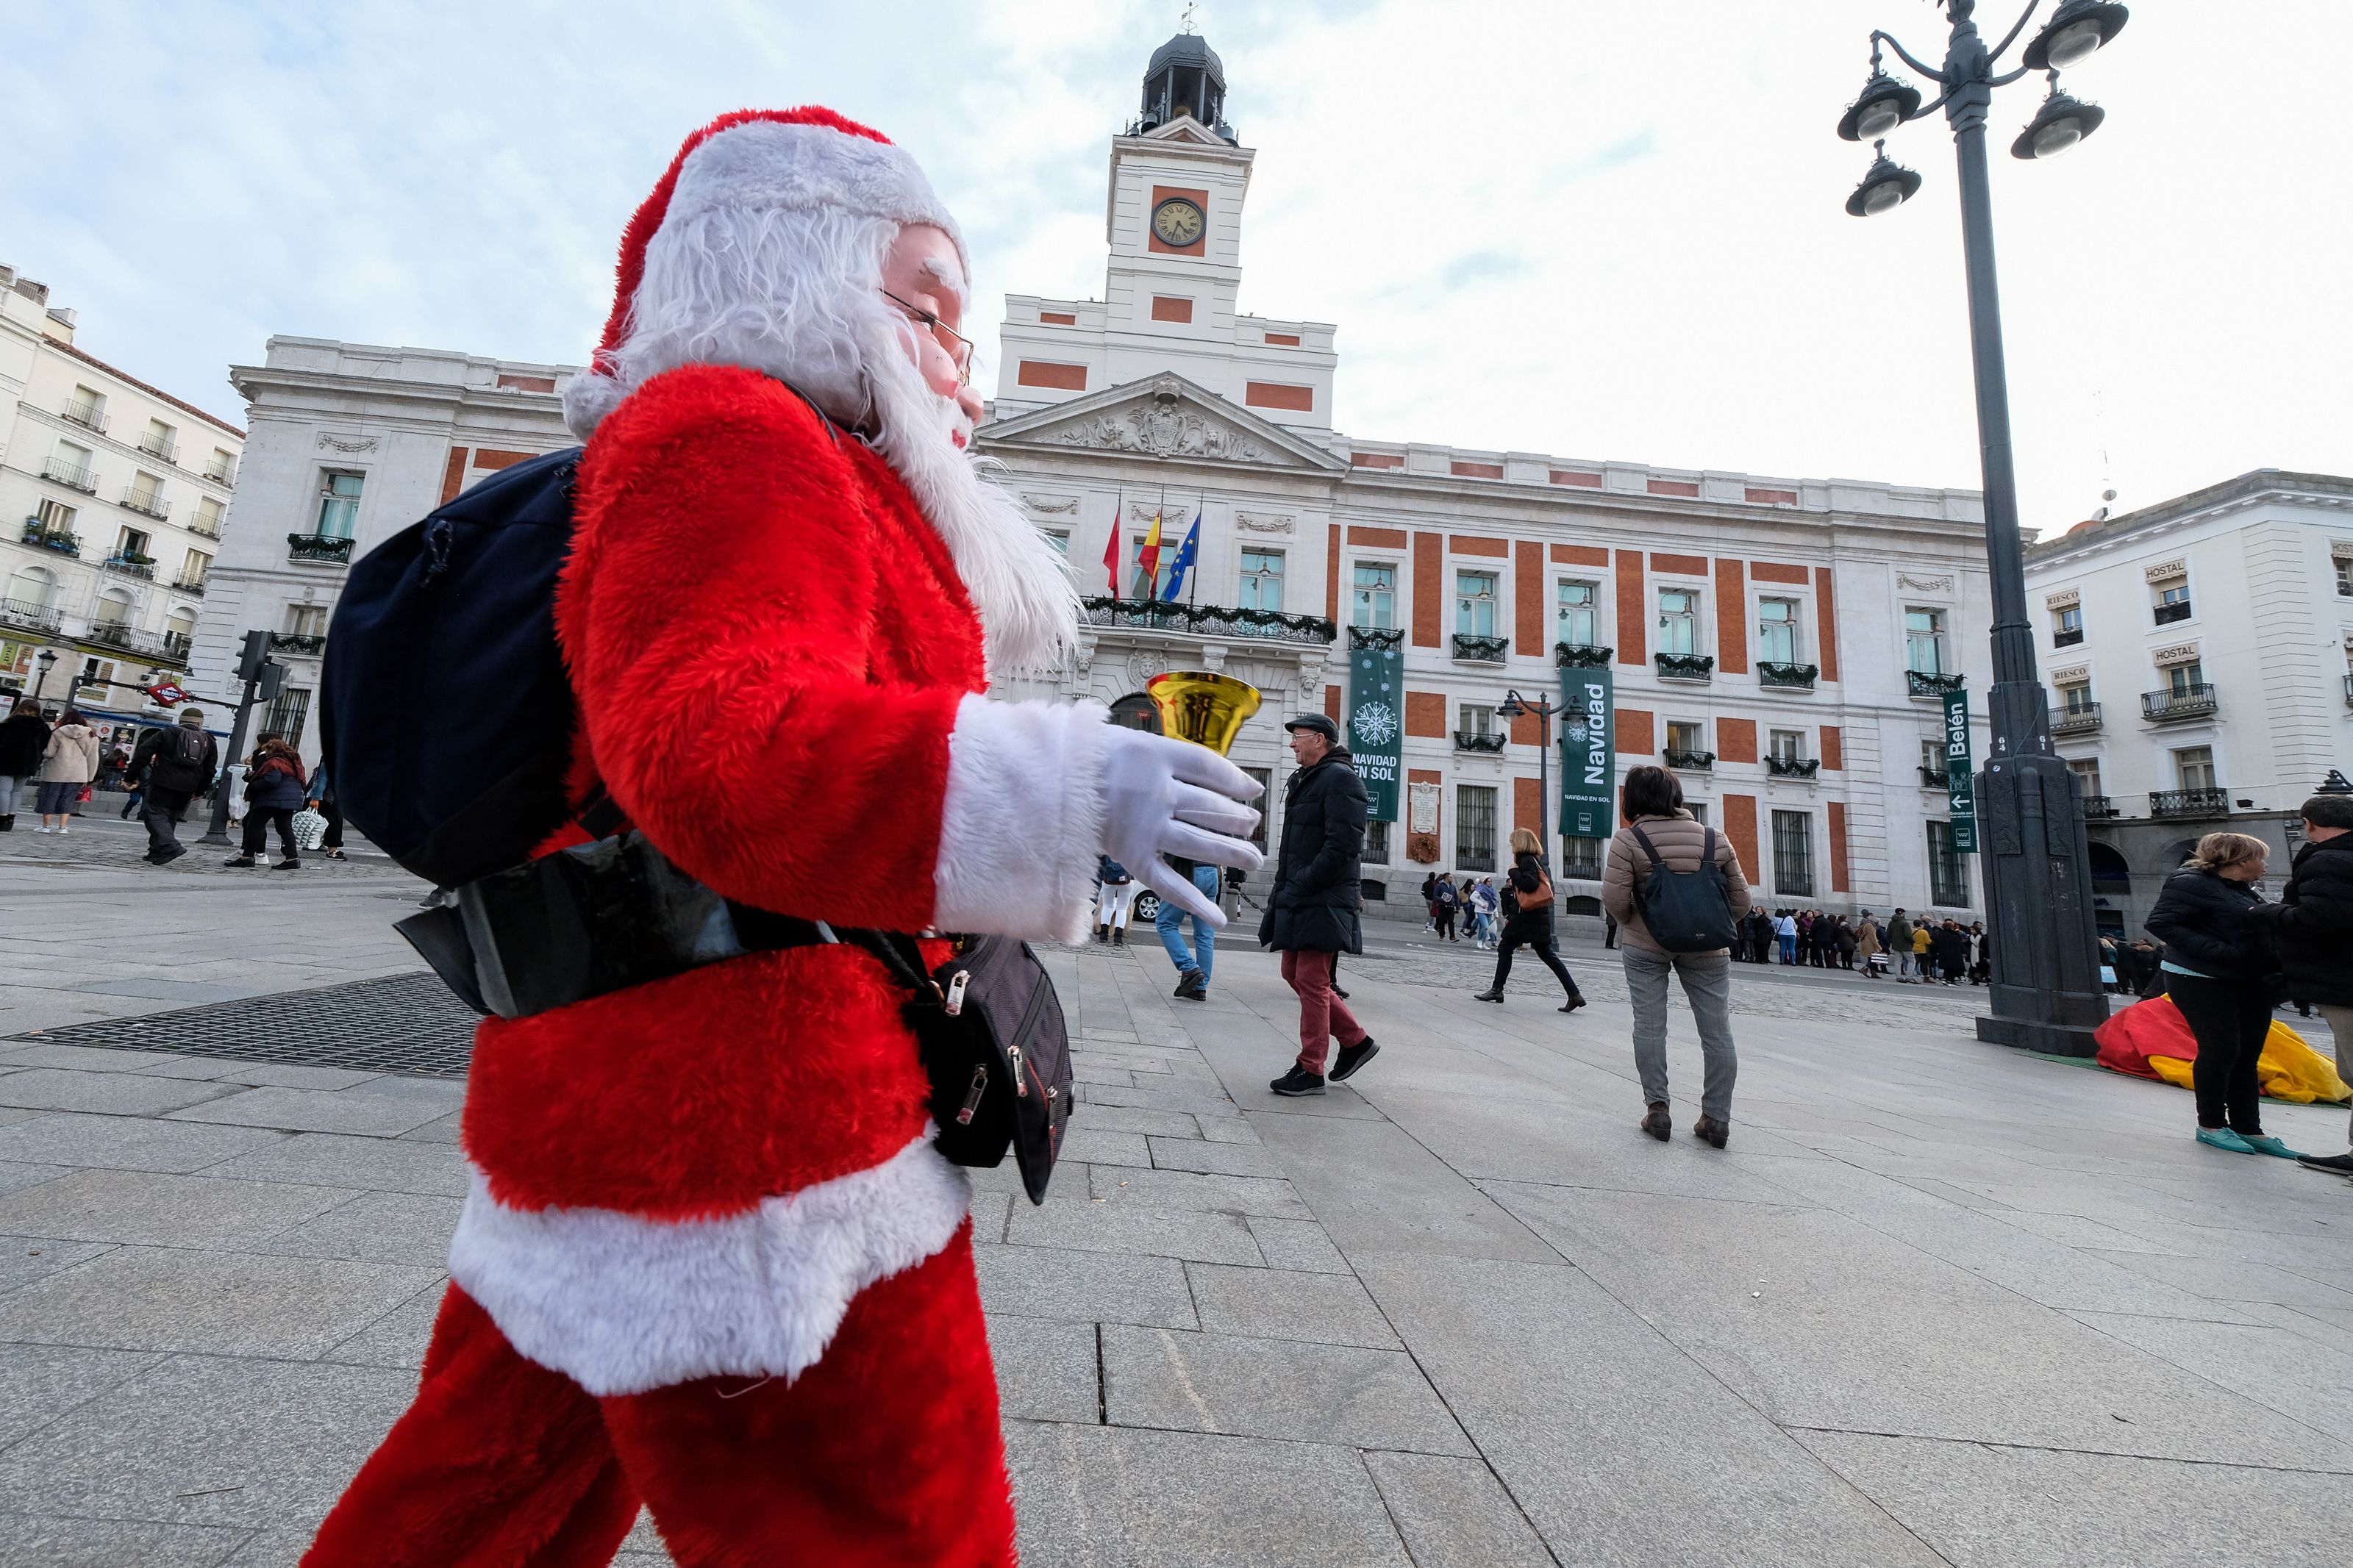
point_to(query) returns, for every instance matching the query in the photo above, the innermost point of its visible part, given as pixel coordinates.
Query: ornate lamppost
(2046, 989)
(1512, 707)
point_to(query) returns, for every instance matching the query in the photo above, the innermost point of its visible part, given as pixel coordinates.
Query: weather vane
(1184, 21)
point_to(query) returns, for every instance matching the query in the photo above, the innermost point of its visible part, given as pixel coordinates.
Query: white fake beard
(1022, 586)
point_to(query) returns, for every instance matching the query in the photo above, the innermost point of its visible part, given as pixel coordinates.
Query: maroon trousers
(1322, 1017)
(886, 1452)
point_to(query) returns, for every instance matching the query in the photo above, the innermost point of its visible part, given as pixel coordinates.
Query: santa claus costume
(709, 1260)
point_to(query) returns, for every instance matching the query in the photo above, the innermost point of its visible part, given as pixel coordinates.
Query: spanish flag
(1149, 562)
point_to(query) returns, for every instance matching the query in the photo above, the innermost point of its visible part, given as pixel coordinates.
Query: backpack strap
(600, 815)
(1647, 847)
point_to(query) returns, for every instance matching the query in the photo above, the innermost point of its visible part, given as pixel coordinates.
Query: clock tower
(1173, 220)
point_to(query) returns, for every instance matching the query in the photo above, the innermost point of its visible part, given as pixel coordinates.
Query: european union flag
(1184, 565)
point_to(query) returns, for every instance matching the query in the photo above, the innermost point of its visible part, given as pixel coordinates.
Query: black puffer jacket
(1319, 867)
(23, 739)
(1529, 926)
(2202, 919)
(2313, 923)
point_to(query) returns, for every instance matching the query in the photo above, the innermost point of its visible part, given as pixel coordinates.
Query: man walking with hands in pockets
(1312, 917)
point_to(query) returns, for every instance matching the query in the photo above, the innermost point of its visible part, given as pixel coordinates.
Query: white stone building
(2200, 657)
(1784, 638)
(351, 443)
(115, 496)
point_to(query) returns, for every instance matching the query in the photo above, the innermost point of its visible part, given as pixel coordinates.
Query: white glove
(1171, 797)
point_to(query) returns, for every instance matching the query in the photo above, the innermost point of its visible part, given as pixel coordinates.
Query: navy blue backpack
(447, 716)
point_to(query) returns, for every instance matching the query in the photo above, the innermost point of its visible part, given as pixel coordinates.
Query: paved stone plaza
(1938, 1303)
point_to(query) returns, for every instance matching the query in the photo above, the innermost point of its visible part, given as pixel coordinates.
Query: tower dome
(1184, 77)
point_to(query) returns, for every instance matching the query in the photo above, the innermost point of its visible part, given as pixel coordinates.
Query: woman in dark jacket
(1529, 927)
(2220, 970)
(1445, 902)
(273, 792)
(23, 737)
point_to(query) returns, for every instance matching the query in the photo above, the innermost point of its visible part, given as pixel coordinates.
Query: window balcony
(2345, 587)
(161, 646)
(1793, 767)
(2075, 718)
(222, 474)
(177, 646)
(2100, 808)
(88, 415)
(1580, 656)
(1388, 638)
(147, 502)
(27, 615)
(1685, 666)
(73, 476)
(2193, 702)
(322, 548)
(1480, 739)
(139, 566)
(1158, 614)
(2165, 614)
(1935, 778)
(160, 446)
(297, 642)
(55, 539)
(1922, 683)
(2190, 803)
(193, 585)
(1469, 648)
(1785, 676)
(2348, 691)
(2067, 638)
(202, 528)
(1690, 761)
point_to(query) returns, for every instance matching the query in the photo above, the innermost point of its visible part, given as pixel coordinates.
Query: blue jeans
(1789, 949)
(1170, 922)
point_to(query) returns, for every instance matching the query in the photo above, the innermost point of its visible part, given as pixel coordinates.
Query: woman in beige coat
(1866, 942)
(70, 762)
(1654, 803)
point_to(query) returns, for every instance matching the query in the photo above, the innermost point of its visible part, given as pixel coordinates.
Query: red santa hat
(806, 158)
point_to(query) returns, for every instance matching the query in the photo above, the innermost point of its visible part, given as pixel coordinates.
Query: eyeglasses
(957, 347)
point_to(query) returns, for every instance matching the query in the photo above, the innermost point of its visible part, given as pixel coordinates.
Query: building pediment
(1166, 417)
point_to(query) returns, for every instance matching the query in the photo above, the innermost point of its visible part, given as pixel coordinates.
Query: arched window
(1137, 712)
(180, 624)
(33, 588)
(113, 608)
(2110, 872)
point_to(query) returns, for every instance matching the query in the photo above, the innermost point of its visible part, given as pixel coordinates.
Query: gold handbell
(1205, 708)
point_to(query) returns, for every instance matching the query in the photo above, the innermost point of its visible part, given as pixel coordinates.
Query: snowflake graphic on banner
(1374, 722)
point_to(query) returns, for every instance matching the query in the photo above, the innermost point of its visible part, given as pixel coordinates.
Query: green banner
(1958, 773)
(1589, 754)
(1377, 716)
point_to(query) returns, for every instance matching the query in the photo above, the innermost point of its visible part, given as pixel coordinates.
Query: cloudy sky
(1596, 230)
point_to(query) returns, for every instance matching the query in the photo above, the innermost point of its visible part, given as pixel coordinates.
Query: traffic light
(250, 662)
(273, 680)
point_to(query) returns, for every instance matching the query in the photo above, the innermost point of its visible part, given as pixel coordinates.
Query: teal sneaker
(2223, 1138)
(2267, 1146)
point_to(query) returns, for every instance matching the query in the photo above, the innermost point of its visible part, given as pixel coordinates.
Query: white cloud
(1600, 231)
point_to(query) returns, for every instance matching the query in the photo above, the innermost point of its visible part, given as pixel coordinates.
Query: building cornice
(2328, 492)
(134, 381)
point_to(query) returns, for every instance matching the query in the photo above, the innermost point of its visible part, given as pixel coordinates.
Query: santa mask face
(923, 284)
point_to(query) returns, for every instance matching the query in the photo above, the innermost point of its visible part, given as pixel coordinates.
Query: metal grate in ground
(406, 1023)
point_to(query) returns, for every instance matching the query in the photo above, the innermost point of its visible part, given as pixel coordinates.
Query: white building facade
(2200, 658)
(116, 496)
(351, 443)
(1785, 644)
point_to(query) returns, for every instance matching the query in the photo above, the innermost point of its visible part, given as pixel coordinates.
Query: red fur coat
(779, 677)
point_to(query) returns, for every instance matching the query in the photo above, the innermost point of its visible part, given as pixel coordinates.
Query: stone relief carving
(1161, 430)
(1143, 664)
(1263, 521)
(1923, 585)
(1051, 503)
(329, 442)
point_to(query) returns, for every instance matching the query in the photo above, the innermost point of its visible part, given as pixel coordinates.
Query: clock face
(1178, 222)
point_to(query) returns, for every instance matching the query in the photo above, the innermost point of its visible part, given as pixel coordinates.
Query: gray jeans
(2340, 1023)
(1707, 985)
(9, 788)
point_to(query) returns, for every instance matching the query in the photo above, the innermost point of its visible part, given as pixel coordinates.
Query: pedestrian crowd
(1926, 951)
(1477, 908)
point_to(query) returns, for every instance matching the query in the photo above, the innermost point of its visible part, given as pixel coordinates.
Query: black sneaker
(2336, 1164)
(168, 854)
(1298, 1080)
(1193, 987)
(239, 861)
(289, 864)
(1354, 1056)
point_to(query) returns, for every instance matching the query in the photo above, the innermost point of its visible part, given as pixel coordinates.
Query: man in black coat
(171, 768)
(1312, 917)
(2313, 923)
(23, 736)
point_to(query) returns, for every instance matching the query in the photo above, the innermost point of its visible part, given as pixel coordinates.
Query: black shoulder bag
(1685, 911)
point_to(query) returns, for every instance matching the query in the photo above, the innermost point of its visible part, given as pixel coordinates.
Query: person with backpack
(23, 737)
(714, 1260)
(171, 768)
(274, 782)
(1446, 901)
(1528, 893)
(1114, 898)
(1899, 947)
(1678, 891)
(67, 764)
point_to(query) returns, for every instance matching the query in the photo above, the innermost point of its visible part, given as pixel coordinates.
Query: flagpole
(1193, 589)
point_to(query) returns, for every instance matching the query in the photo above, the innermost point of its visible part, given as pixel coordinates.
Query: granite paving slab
(1273, 1388)
(222, 1303)
(162, 1210)
(1454, 1513)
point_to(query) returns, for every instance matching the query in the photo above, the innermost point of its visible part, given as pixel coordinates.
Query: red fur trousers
(886, 1452)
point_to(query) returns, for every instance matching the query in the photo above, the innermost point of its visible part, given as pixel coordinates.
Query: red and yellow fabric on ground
(2151, 1039)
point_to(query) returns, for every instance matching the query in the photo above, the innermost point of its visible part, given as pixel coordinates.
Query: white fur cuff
(621, 1304)
(1022, 827)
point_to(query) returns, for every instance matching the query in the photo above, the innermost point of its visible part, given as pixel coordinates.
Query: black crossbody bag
(616, 912)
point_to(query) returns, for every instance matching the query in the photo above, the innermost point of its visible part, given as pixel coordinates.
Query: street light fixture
(1514, 706)
(48, 661)
(2046, 993)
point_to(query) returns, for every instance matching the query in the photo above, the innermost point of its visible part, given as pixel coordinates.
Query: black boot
(1119, 937)
(239, 861)
(8, 823)
(1658, 1121)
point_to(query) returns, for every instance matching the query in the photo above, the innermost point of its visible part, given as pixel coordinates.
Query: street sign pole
(262, 680)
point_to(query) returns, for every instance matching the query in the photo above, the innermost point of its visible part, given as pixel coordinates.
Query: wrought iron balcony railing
(1787, 677)
(1471, 649)
(1195, 620)
(141, 566)
(161, 447)
(1922, 683)
(55, 539)
(2194, 700)
(148, 502)
(2190, 803)
(322, 547)
(203, 526)
(2100, 808)
(1580, 656)
(2067, 638)
(88, 415)
(1390, 638)
(1685, 666)
(1689, 762)
(221, 473)
(1480, 739)
(1935, 778)
(177, 646)
(2165, 614)
(190, 585)
(172, 646)
(73, 476)
(1793, 767)
(297, 642)
(2075, 718)
(26, 614)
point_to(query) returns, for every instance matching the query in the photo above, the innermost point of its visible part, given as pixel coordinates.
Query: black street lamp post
(1512, 707)
(2046, 993)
